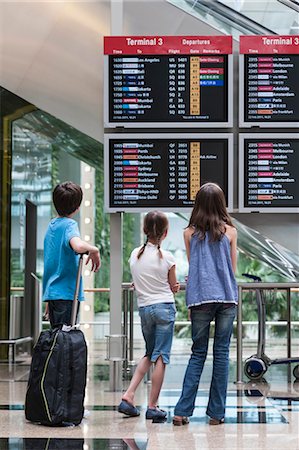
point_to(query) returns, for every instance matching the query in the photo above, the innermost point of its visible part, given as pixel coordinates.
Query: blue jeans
(157, 323)
(201, 317)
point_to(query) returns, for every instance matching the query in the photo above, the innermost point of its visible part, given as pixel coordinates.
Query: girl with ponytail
(154, 277)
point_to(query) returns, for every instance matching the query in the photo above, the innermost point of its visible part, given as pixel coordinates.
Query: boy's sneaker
(155, 413)
(86, 413)
(67, 424)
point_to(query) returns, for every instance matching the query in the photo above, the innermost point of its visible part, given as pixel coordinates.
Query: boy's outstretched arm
(80, 246)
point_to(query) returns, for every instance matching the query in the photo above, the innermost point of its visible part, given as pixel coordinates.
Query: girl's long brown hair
(209, 212)
(154, 226)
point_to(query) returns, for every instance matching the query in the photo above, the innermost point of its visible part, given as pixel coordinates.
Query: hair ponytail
(154, 226)
(159, 250)
(141, 251)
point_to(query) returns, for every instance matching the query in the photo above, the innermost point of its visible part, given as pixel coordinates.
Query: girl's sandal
(216, 421)
(178, 421)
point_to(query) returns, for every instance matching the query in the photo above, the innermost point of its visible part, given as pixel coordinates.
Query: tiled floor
(258, 416)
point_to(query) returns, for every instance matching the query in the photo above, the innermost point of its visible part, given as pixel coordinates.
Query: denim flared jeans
(201, 317)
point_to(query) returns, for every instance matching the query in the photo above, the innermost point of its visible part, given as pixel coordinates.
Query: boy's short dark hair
(67, 197)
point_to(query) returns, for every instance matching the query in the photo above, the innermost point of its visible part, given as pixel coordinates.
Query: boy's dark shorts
(60, 312)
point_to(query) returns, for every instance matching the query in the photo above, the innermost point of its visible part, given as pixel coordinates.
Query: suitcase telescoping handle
(76, 301)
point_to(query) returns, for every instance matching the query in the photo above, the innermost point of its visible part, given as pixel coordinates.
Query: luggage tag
(68, 328)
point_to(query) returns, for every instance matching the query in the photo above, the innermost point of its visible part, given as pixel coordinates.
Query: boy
(62, 245)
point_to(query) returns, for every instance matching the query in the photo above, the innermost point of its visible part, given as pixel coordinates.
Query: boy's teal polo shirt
(60, 261)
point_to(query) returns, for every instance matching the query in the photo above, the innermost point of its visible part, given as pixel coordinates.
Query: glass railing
(261, 256)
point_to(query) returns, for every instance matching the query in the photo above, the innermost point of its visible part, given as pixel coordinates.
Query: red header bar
(269, 44)
(167, 45)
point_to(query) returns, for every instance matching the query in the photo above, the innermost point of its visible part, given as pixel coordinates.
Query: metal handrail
(293, 286)
(188, 322)
(128, 316)
(97, 290)
(269, 286)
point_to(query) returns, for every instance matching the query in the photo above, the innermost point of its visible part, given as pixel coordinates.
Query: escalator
(245, 17)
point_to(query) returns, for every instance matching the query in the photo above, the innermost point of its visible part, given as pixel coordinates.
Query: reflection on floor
(71, 444)
(258, 415)
(285, 404)
(241, 407)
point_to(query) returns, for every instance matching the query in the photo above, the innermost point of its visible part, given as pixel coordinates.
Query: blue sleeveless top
(211, 277)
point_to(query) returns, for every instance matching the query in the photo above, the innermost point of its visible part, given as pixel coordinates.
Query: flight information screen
(164, 171)
(270, 172)
(167, 80)
(271, 73)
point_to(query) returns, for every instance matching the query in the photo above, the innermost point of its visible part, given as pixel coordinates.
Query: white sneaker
(86, 413)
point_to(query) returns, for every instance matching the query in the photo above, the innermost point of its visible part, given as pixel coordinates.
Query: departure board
(164, 171)
(269, 74)
(168, 81)
(269, 177)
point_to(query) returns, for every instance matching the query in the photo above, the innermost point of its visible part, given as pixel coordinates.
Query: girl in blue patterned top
(211, 294)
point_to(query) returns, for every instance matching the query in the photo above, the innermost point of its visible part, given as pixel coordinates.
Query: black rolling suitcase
(57, 380)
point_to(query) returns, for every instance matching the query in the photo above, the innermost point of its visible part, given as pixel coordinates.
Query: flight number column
(178, 171)
(177, 81)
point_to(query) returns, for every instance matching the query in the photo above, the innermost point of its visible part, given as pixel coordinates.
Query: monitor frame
(133, 124)
(261, 124)
(257, 136)
(162, 136)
